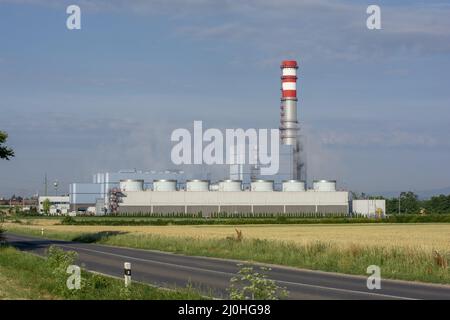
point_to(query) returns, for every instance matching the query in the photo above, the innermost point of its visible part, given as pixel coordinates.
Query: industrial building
(229, 197)
(244, 191)
(374, 208)
(59, 205)
(95, 194)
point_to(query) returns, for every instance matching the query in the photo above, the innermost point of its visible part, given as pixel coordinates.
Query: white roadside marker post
(127, 273)
(42, 231)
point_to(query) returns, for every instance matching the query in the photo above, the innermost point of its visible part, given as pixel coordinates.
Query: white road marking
(232, 274)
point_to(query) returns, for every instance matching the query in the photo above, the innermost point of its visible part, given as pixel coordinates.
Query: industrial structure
(246, 191)
(96, 193)
(228, 196)
(291, 161)
(375, 208)
(58, 205)
(289, 128)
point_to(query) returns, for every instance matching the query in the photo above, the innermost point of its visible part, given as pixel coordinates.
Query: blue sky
(374, 105)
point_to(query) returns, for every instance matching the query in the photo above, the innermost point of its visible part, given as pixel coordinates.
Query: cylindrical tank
(230, 185)
(324, 185)
(164, 185)
(197, 185)
(262, 185)
(214, 187)
(131, 185)
(294, 185)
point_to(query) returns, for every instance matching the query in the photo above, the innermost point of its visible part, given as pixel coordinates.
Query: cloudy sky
(374, 104)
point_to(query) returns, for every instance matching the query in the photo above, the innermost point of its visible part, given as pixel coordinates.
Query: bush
(57, 262)
(251, 285)
(68, 220)
(2, 238)
(58, 259)
(98, 282)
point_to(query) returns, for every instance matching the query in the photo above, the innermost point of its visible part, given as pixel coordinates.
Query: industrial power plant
(245, 191)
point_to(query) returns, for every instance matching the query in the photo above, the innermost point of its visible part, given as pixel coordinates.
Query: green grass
(395, 263)
(26, 276)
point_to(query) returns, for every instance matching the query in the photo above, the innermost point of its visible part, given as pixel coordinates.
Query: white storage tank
(324, 185)
(197, 185)
(214, 187)
(164, 185)
(131, 185)
(294, 185)
(262, 185)
(230, 185)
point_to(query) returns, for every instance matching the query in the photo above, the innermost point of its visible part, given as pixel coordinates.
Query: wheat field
(416, 236)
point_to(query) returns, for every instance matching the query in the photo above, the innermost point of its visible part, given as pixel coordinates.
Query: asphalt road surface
(212, 276)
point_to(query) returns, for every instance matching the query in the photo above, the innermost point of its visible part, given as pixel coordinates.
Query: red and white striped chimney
(288, 119)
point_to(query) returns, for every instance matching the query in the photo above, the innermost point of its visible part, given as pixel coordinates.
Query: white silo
(164, 185)
(131, 185)
(262, 185)
(324, 185)
(197, 185)
(294, 185)
(230, 185)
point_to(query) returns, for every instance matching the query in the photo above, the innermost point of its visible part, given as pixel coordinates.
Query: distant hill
(435, 192)
(423, 194)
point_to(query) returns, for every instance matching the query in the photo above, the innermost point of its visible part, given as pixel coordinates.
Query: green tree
(438, 204)
(355, 195)
(392, 205)
(5, 152)
(46, 206)
(409, 202)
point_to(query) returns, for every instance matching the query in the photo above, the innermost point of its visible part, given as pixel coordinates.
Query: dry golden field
(417, 236)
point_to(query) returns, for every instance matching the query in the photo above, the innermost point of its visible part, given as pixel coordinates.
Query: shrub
(68, 220)
(98, 282)
(251, 285)
(2, 238)
(440, 259)
(57, 261)
(239, 236)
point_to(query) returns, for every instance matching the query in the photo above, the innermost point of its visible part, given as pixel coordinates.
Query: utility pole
(55, 185)
(46, 184)
(399, 197)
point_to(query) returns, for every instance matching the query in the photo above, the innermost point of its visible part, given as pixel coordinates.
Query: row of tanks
(227, 185)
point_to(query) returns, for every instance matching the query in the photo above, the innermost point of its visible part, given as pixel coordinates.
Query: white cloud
(320, 28)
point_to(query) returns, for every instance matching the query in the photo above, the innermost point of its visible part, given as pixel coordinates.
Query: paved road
(213, 275)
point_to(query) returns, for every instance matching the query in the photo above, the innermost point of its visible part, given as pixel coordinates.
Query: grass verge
(26, 276)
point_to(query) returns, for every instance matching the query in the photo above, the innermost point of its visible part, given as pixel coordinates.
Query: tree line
(409, 203)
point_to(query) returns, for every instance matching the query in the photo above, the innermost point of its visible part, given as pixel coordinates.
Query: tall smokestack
(288, 119)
